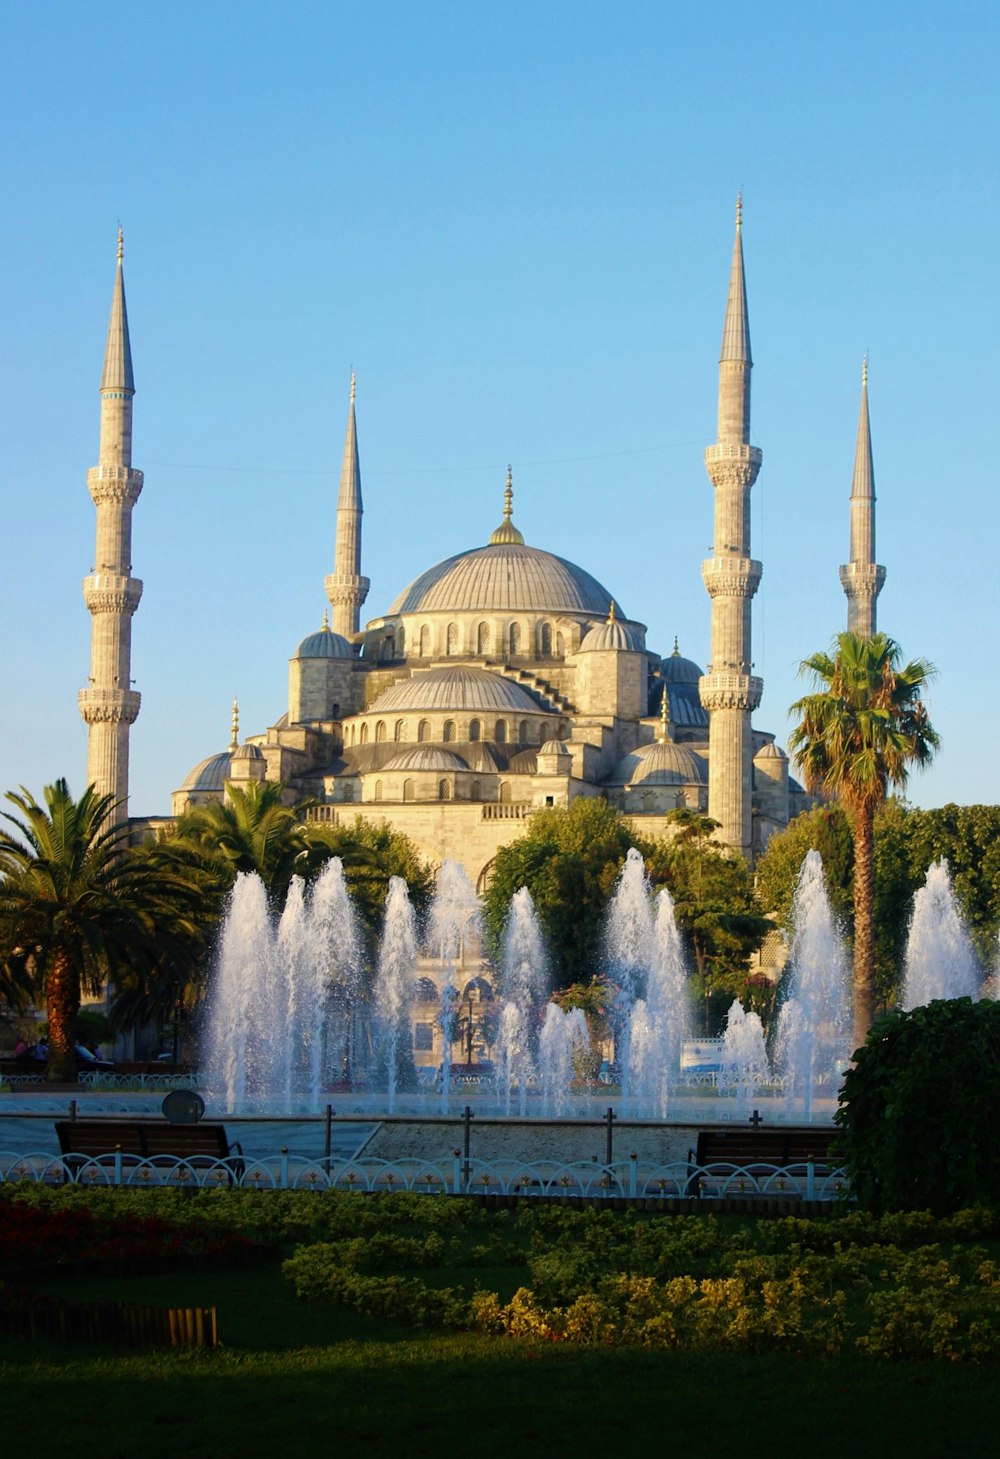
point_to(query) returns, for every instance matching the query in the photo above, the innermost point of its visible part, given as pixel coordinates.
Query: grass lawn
(296, 1377)
(311, 1377)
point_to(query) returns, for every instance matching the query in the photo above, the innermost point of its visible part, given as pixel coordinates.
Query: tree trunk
(864, 922)
(62, 1002)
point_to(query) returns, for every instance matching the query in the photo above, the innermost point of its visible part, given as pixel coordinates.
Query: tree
(252, 830)
(570, 860)
(372, 852)
(78, 909)
(917, 1114)
(860, 733)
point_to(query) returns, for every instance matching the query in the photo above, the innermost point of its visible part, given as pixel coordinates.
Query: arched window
(475, 730)
(364, 734)
(378, 790)
(483, 638)
(505, 793)
(407, 789)
(423, 731)
(425, 642)
(514, 638)
(401, 642)
(397, 730)
(545, 640)
(348, 789)
(452, 638)
(560, 645)
(475, 792)
(380, 732)
(522, 732)
(449, 730)
(500, 733)
(444, 790)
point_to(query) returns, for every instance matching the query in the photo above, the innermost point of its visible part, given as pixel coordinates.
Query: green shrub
(918, 1110)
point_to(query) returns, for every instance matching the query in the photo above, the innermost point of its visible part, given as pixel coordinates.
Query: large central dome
(505, 577)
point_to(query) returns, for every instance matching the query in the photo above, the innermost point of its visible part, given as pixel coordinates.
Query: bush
(918, 1109)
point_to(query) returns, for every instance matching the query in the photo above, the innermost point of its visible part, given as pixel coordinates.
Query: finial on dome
(611, 612)
(234, 742)
(326, 621)
(121, 243)
(665, 715)
(507, 533)
(676, 653)
(354, 386)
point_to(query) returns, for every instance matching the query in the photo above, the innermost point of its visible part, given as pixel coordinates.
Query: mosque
(500, 681)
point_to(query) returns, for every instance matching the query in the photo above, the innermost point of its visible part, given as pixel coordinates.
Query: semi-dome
(661, 763)
(612, 636)
(771, 751)
(504, 577)
(456, 689)
(324, 644)
(210, 773)
(425, 757)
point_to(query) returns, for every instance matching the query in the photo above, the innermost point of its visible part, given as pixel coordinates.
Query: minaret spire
(862, 577)
(345, 587)
(728, 690)
(109, 705)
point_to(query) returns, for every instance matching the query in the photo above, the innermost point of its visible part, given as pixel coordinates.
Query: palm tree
(78, 909)
(860, 733)
(251, 830)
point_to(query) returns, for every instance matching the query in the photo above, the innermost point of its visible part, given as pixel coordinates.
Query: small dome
(209, 774)
(324, 644)
(554, 747)
(525, 762)
(661, 763)
(677, 670)
(613, 636)
(451, 689)
(425, 757)
(771, 751)
(248, 752)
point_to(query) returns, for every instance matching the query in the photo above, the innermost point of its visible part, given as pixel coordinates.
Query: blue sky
(515, 222)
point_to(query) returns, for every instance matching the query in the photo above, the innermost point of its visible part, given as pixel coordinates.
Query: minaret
(862, 577)
(345, 587)
(109, 704)
(728, 690)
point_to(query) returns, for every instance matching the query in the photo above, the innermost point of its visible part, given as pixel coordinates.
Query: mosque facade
(500, 681)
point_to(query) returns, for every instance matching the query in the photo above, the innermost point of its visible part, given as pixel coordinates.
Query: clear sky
(515, 222)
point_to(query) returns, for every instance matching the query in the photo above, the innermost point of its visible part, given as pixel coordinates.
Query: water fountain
(940, 962)
(744, 1067)
(646, 962)
(813, 1037)
(455, 917)
(394, 987)
(523, 984)
(268, 1022)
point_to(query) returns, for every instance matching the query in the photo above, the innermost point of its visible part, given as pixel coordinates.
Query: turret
(728, 690)
(862, 577)
(109, 705)
(345, 587)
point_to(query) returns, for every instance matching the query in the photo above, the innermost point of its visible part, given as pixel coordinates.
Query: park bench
(759, 1151)
(157, 1141)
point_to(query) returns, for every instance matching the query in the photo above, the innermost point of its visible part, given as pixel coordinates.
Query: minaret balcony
(106, 592)
(118, 484)
(862, 577)
(109, 706)
(730, 691)
(734, 451)
(731, 577)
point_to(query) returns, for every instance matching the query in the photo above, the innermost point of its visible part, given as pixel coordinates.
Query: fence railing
(631, 1179)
